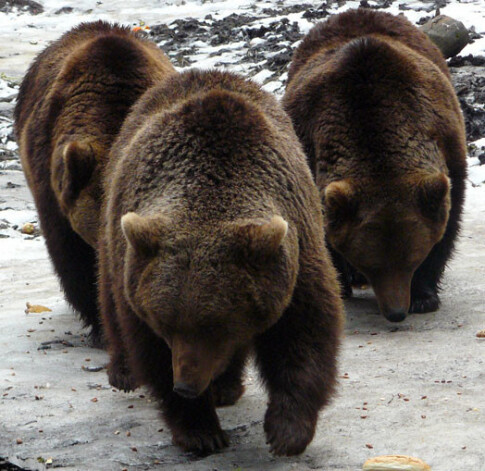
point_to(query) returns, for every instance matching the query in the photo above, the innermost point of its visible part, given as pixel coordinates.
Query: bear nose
(395, 315)
(185, 390)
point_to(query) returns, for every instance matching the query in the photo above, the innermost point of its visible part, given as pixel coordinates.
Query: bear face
(76, 181)
(386, 231)
(232, 290)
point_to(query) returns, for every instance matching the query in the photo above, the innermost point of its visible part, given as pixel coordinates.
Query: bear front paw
(96, 338)
(287, 432)
(120, 378)
(427, 301)
(226, 394)
(200, 441)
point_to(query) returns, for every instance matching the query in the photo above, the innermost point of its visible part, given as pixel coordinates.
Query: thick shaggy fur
(371, 100)
(71, 105)
(212, 244)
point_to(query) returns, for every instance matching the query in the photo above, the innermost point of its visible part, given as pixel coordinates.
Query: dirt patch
(25, 6)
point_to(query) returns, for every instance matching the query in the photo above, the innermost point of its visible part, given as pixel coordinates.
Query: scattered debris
(36, 308)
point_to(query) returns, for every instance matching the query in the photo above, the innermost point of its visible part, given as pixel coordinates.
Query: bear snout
(193, 364)
(395, 315)
(393, 293)
(185, 390)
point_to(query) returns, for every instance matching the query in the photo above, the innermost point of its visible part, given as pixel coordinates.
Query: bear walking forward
(371, 99)
(71, 105)
(211, 246)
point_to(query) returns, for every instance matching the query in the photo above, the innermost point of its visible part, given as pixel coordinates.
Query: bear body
(371, 100)
(211, 247)
(71, 105)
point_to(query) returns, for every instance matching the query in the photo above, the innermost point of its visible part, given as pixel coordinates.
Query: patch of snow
(19, 249)
(18, 218)
(260, 77)
(272, 86)
(7, 91)
(479, 143)
(476, 172)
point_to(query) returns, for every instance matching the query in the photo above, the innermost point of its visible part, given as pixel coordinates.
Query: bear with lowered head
(70, 108)
(371, 99)
(212, 247)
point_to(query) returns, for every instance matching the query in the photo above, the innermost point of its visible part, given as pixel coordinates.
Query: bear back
(346, 26)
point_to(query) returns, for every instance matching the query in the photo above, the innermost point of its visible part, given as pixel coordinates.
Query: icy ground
(416, 389)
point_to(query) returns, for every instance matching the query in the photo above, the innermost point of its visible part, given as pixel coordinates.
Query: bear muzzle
(393, 293)
(194, 365)
(185, 390)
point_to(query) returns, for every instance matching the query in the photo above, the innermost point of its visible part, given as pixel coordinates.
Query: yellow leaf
(36, 308)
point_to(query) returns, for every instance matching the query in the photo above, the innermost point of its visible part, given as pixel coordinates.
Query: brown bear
(70, 108)
(371, 100)
(212, 245)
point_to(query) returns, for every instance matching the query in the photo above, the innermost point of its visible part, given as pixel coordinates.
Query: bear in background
(70, 108)
(371, 99)
(212, 245)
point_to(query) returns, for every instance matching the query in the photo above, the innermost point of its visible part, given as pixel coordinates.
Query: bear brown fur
(371, 100)
(212, 245)
(70, 108)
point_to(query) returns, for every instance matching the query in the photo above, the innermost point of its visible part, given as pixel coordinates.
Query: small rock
(448, 34)
(28, 228)
(64, 10)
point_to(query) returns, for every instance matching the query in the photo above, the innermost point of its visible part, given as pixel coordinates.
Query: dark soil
(34, 8)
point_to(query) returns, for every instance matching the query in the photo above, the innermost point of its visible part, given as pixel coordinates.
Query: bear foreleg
(297, 360)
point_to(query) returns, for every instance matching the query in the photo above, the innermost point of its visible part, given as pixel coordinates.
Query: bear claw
(425, 302)
(288, 434)
(201, 441)
(121, 379)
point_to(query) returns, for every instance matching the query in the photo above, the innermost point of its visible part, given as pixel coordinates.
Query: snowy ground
(414, 389)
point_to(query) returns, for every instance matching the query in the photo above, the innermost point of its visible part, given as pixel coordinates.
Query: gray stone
(448, 34)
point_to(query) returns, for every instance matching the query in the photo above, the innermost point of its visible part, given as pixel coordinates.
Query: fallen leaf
(36, 308)
(481, 334)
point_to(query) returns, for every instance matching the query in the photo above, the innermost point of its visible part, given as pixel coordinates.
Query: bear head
(387, 229)
(76, 184)
(207, 291)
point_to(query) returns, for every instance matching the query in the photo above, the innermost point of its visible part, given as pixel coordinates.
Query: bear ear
(144, 233)
(261, 238)
(79, 161)
(340, 202)
(434, 195)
